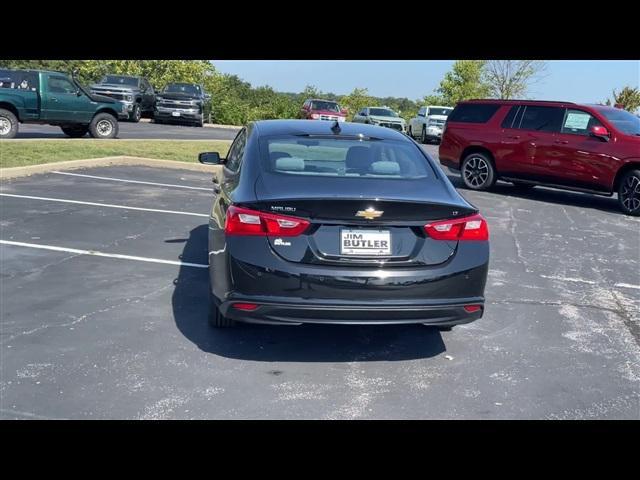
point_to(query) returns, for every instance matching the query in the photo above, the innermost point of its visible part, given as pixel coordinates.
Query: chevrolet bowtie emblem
(369, 213)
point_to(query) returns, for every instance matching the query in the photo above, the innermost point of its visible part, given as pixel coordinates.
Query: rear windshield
(19, 80)
(118, 80)
(322, 105)
(473, 112)
(334, 157)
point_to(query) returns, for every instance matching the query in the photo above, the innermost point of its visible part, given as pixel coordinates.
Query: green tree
(508, 79)
(357, 100)
(628, 98)
(464, 81)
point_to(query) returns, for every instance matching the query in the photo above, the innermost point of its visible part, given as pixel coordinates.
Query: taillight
(243, 221)
(467, 228)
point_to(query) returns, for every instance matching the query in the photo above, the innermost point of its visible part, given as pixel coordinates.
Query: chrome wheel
(5, 126)
(475, 172)
(104, 128)
(630, 193)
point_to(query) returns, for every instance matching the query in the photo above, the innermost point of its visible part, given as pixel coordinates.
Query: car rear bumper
(286, 313)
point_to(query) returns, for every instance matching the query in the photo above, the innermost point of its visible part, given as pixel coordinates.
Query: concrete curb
(15, 172)
(206, 125)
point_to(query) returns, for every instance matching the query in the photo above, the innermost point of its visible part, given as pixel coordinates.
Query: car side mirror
(600, 132)
(210, 158)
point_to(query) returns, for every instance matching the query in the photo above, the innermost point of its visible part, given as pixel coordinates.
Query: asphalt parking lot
(125, 335)
(143, 131)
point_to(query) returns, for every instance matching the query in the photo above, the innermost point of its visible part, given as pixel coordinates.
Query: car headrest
(385, 168)
(275, 155)
(358, 158)
(290, 164)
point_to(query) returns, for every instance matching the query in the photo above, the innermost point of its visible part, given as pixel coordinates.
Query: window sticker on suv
(577, 120)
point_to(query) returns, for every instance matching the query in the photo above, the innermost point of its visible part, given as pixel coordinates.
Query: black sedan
(321, 222)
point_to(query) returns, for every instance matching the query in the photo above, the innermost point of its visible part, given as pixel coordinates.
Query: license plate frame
(360, 242)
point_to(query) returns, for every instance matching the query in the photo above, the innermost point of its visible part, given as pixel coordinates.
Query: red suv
(588, 148)
(316, 109)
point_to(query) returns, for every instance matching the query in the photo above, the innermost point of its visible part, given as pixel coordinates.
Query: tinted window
(335, 157)
(119, 80)
(421, 112)
(61, 85)
(322, 105)
(508, 120)
(236, 151)
(382, 112)
(473, 112)
(183, 88)
(18, 79)
(440, 111)
(579, 122)
(542, 119)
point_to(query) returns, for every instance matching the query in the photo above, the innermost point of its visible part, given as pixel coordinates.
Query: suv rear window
(332, 157)
(473, 112)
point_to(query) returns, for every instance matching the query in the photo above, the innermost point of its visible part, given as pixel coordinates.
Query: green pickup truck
(53, 98)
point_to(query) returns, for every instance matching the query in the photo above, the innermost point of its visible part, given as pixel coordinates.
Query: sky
(580, 81)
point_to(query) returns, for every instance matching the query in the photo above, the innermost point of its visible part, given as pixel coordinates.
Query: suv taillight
(243, 221)
(467, 228)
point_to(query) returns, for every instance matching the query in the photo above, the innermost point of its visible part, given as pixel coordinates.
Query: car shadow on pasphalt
(304, 343)
(548, 195)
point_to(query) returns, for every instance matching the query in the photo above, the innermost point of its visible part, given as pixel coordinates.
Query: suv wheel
(410, 132)
(8, 124)
(423, 137)
(75, 131)
(103, 125)
(478, 172)
(629, 193)
(135, 114)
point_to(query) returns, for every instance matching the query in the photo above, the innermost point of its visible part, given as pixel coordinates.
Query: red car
(316, 109)
(587, 148)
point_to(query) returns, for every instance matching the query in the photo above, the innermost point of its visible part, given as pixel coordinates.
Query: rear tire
(629, 193)
(75, 132)
(216, 320)
(423, 137)
(8, 124)
(478, 172)
(103, 126)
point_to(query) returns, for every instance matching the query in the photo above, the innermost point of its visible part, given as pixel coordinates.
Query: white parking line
(133, 181)
(102, 254)
(124, 207)
(627, 285)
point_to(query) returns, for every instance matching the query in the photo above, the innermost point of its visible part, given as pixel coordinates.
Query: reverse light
(468, 228)
(244, 221)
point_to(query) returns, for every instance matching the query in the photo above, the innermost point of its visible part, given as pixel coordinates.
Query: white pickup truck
(429, 123)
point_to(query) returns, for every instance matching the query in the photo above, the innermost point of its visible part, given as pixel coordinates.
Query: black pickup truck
(181, 102)
(135, 92)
